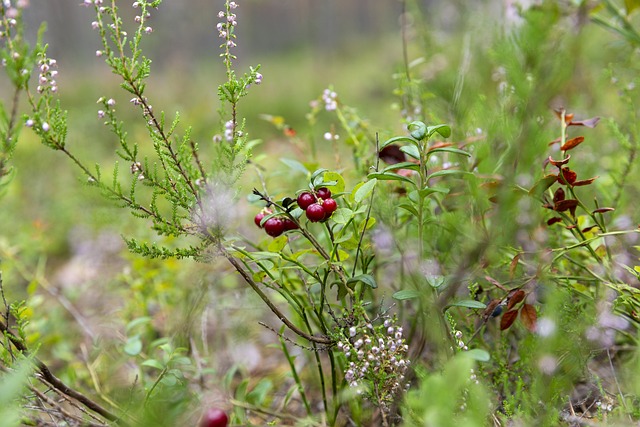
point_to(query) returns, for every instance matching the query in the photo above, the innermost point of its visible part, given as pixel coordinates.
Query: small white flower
(46, 127)
(29, 123)
(352, 331)
(111, 102)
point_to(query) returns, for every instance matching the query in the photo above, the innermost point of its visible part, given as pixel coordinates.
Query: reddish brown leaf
(514, 265)
(391, 154)
(554, 220)
(572, 143)
(529, 317)
(515, 298)
(571, 227)
(548, 206)
(590, 123)
(559, 162)
(584, 182)
(560, 111)
(588, 229)
(565, 205)
(495, 283)
(569, 176)
(555, 141)
(507, 319)
(490, 308)
(602, 210)
(558, 196)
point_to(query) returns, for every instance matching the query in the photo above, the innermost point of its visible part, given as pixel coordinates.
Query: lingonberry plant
(442, 275)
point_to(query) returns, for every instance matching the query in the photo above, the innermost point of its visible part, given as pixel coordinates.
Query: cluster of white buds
(136, 168)
(47, 76)
(459, 342)
(377, 360)
(330, 99)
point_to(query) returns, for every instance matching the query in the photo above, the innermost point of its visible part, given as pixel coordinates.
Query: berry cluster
(275, 225)
(319, 206)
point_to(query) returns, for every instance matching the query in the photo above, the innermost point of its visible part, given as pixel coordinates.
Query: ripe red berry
(329, 206)
(289, 225)
(315, 212)
(261, 214)
(274, 226)
(323, 193)
(305, 199)
(214, 417)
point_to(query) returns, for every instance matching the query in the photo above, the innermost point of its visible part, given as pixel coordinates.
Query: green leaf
(390, 176)
(542, 185)
(448, 172)
(277, 244)
(406, 294)
(138, 321)
(402, 165)
(631, 5)
(296, 166)
(468, 303)
(338, 187)
(364, 190)
(400, 139)
(153, 363)
(450, 150)
(410, 208)
(133, 346)
(478, 354)
(418, 130)
(411, 150)
(367, 279)
(342, 216)
(443, 130)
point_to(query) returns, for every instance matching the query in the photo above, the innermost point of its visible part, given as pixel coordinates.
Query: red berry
(323, 193)
(274, 226)
(329, 206)
(214, 417)
(261, 214)
(305, 199)
(289, 225)
(315, 212)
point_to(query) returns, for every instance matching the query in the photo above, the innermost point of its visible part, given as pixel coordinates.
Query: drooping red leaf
(554, 220)
(565, 205)
(571, 227)
(584, 182)
(548, 206)
(588, 229)
(560, 162)
(572, 143)
(569, 176)
(507, 319)
(391, 154)
(558, 196)
(514, 264)
(529, 317)
(602, 210)
(590, 123)
(515, 299)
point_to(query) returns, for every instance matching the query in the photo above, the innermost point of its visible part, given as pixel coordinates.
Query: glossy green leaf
(342, 216)
(450, 150)
(399, 139)
(402, 165)
(448, 172)
(338, 187)
(542, 185)
(411, 151)
(133, 346)
(153, 363)
(367, 279)
(406, 294)
(278, 244)
(364, 190)
(443, 130)
(469, 303)
(295, 165)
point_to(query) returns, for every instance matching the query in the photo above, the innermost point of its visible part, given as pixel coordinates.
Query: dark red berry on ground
(274, 226)
(324, 193)
(289, 225)
(329, 206)
(315, 212)
(305, 200)
(214, 417)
